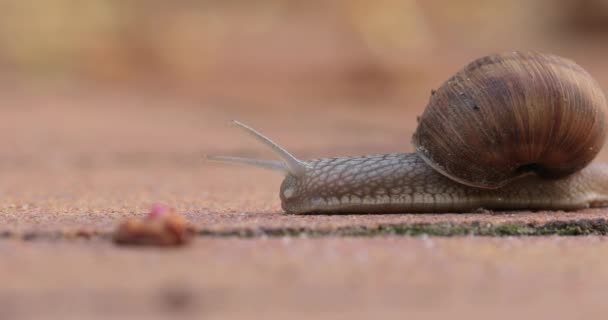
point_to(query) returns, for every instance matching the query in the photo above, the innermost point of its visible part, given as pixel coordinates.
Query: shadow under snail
(510, 131)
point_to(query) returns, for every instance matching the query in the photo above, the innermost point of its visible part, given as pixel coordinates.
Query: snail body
(395, 183)
(509, 131)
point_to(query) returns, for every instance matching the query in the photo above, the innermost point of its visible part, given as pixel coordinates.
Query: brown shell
(506, 115)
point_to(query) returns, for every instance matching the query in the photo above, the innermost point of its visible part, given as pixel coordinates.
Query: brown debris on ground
(161, 227)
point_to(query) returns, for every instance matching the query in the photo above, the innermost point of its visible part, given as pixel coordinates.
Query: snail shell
(507, 115)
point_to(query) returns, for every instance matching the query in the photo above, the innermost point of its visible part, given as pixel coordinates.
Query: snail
(516, 130)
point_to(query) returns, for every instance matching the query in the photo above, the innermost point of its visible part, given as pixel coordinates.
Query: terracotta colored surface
(291, 278)
(85, 161)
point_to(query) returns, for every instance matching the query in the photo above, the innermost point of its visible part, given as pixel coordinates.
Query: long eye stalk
(288, 164)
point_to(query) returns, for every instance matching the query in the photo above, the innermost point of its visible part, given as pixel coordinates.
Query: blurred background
(237, 49)
(129, 76)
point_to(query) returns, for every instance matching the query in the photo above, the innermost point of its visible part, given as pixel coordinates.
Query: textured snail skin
(394, 183)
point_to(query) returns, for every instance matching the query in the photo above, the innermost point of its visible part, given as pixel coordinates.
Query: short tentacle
(266, 164)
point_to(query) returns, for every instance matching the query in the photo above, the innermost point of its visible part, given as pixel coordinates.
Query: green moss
(441, 229)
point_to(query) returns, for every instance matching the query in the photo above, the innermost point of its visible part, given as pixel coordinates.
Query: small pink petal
(158, 210)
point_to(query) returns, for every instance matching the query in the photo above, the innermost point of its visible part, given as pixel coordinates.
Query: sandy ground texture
(299, 278)
(82, 161)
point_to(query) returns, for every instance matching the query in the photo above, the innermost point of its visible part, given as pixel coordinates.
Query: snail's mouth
(290, 200)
